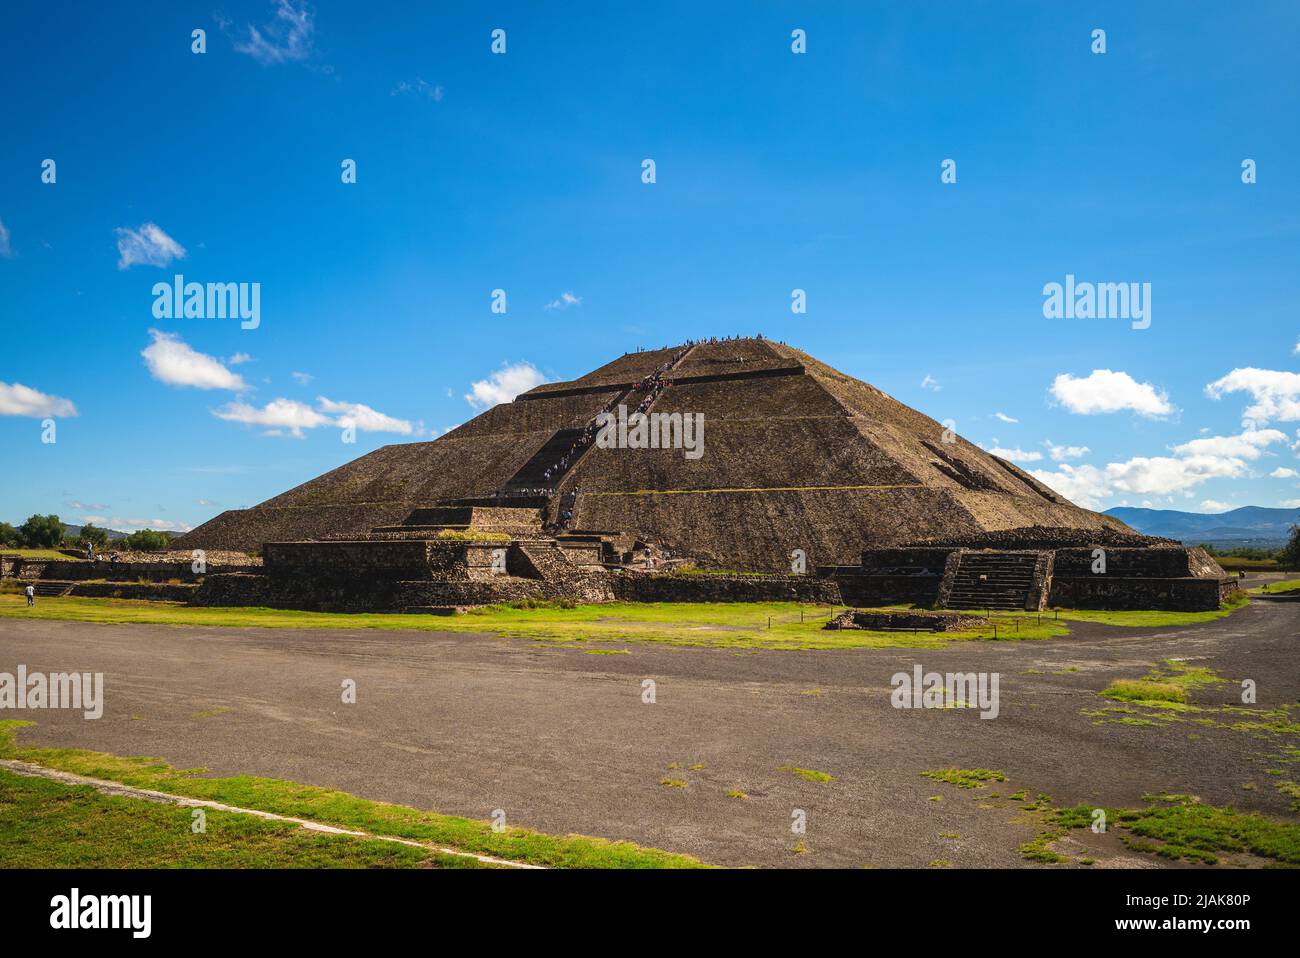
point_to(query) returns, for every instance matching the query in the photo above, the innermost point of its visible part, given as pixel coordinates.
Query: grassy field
(738, 626)
(328, 807)
(40, 554)
(47, 824)
(1288, 585)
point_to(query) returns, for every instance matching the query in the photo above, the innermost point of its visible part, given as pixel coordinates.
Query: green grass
(965, 777)
(1286, 585)
(48, 824)
(41, 554)
(343, 810)
(807, 774)
(1148, 619)
(741, 625)
(1179, 827)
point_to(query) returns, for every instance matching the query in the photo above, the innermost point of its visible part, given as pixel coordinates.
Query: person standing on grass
(31, 594)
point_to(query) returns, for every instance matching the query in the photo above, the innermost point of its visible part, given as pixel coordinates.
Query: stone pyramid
(796, 456)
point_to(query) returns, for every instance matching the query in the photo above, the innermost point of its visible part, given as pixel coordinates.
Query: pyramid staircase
(532, 475)
(996, 581)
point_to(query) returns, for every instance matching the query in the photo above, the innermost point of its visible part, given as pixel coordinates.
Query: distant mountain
(71, 532)
(1248, 526)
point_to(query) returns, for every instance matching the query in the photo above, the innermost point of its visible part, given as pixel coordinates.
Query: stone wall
(1112, 592)
(80, 571)
(652, 587)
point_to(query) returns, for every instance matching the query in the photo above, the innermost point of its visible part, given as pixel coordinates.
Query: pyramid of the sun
(796, 456)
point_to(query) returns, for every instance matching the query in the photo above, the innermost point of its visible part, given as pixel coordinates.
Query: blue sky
(522, 171)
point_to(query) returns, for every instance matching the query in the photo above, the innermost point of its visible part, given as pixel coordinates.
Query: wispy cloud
(288, 37)
(147, 245)
(362, 417)
(173, 361)
(302, 378)
(288, 417)
(5, 249)
(1062, 453)
(1016, 455)
(19, 400)
(564, 301)
(504, 385)
(1004, 417)
(127, 524)
(419, 87)
(930, 383)
(279, 416)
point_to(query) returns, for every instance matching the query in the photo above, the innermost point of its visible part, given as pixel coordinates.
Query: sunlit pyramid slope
(795, 456)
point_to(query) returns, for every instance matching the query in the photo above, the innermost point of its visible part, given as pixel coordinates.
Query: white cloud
(280, 416)
(171, 360)
(1016, 455)
(1195, 462)
(239, 359)
(1213, 505)
(504, 385)
(19, 400)
(364, 418)
(303, 378)
(1281, 472)
(420, 87)
(1290, 503)
(288, 37)
(121, 524)
(564, 302)
(1004, 417)
(288, 417)
(1105, 391)
(5, 249)
(1062, 453)
(929, 382)
(1276, 394)
(1249, 445)
(147, 245)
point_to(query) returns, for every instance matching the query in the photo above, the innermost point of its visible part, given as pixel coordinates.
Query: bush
(148, 540)
(9, 536)
(94, 536)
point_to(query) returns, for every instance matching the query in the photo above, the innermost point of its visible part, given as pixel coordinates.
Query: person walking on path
(31, 594)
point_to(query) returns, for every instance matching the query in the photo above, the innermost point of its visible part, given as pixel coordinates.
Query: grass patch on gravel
(1180, 828)
(966, 777)
(348, 811)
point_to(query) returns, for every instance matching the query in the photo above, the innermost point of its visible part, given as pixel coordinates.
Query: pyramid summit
(790, 454)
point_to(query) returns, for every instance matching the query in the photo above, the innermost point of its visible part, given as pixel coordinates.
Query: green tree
(94, 535)
(148, 540)
(42, 532)
(9, 536)
(1291, 551)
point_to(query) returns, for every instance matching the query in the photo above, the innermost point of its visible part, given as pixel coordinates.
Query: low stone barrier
(652, 587)
(909, 621)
